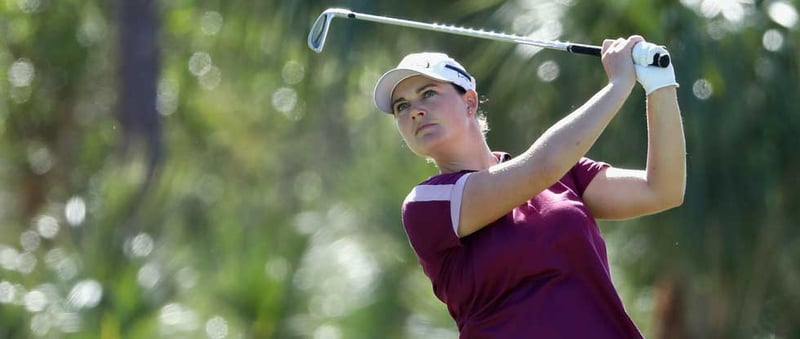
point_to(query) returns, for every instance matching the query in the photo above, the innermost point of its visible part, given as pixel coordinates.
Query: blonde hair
(483, 124)
(480, 116)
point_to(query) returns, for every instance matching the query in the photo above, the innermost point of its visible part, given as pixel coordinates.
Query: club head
(319, 31)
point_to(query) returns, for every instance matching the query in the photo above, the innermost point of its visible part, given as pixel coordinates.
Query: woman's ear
(471, 99)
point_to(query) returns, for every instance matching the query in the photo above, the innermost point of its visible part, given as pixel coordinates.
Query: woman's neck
(474, 155)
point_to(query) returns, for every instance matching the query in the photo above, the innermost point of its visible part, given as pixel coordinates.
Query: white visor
(437, 66)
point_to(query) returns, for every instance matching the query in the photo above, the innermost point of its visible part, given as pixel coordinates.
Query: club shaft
(557, 45)
(319, 31)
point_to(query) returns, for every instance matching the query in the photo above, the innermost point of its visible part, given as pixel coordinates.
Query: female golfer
(511, 244)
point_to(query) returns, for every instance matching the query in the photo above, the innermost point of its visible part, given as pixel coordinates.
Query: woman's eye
(401, 107)
(429, 93)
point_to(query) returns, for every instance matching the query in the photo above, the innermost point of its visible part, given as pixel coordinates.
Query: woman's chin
(429, 145)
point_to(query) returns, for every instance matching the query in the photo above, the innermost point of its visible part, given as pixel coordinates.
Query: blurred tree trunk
(139, 66)
(668, 309)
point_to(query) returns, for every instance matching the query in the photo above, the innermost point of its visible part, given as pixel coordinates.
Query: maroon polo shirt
(540, 271)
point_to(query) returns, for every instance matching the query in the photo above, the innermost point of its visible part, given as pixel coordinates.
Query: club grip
(583, 49)
(659, 60)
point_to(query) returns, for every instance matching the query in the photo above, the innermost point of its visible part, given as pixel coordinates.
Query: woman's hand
(617, 61)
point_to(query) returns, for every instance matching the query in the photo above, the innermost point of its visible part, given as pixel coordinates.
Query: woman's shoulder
(445, 178)
(453, 177)
(439, 187)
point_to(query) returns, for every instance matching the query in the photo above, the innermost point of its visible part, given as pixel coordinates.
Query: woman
(511, 244)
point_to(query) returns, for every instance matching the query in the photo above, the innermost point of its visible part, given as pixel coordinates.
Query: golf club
(319, 31)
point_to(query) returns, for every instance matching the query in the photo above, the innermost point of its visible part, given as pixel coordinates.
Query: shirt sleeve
(584, 171)
(430, 217)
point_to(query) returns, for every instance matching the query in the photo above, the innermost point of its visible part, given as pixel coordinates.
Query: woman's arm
(491, 193)
(620, 194)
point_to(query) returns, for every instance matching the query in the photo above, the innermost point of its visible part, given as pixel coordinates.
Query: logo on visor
(421, 63)
(460, 72)
(424, 64)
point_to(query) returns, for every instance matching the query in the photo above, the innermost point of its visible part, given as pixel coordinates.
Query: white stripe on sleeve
(455, 201)
(452, 193)
(429, 193)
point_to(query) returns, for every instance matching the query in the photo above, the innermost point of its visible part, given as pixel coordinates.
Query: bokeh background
(190, 169)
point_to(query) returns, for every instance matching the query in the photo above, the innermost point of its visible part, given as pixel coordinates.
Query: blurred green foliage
(273, 211)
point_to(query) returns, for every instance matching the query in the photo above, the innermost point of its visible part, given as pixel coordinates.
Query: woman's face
(429, 113)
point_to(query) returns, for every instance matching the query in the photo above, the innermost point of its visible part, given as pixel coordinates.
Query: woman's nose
(417, 112)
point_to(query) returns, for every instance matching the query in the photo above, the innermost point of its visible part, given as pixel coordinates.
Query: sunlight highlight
(535, 19)
(85, 294)
(350, 276)
(35, 301)
(148, 276)
(7, 292)
(733, 12)
(167, 97)
(41, 324)
(327, 331)
(9, 257)
(67, 322)
(29, 6)
(548, 71)
(47, 227)
(58, 260)
(199, 63)
(211, 79)
(21, 73)
(338, 272)
(772, 40)
(783, 13)
(92, 30)
(292, 72)
(40, 159)
(175, 317)
(26, 263)
(13, 260)
(30, 240)
(139, 246)
(211, 23)
(284, 100)
(702, 89)
(217, 328)
(75, 211)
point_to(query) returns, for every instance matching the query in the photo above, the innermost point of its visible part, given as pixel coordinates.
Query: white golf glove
(652, 77)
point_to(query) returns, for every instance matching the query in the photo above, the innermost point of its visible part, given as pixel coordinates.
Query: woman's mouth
(424, 126)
